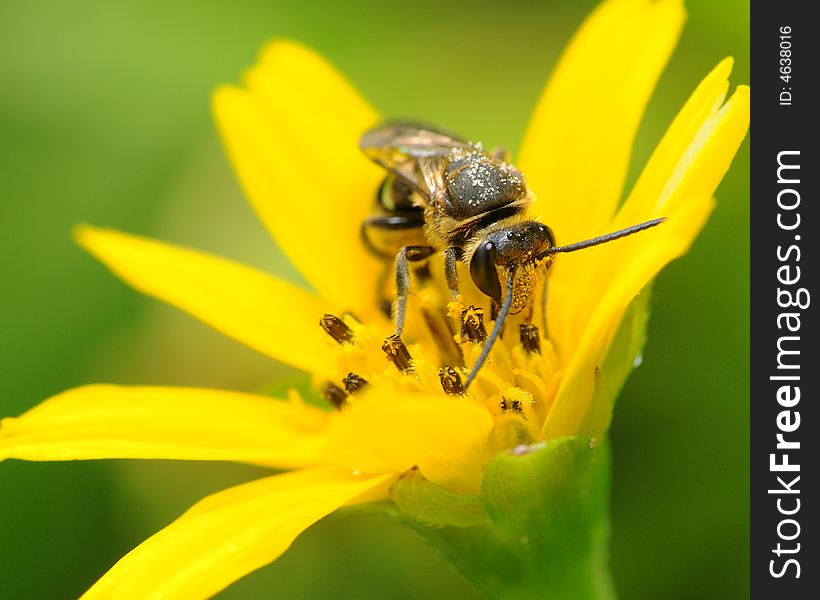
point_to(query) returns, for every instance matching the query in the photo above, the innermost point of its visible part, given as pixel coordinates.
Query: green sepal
(461, 533)
(553, 500)
(425, 502)
(544, 530)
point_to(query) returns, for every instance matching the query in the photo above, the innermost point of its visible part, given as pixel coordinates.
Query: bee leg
(376, 233)
(451, 257)
(405, 256)
(496, 332)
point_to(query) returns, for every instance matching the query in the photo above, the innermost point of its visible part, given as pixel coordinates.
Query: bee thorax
(477, 183)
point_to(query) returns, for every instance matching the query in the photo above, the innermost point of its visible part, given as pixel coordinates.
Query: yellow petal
(678, 182)
(689, 163)
(230, 534)
(389, 431)
(695, 152)
(110, 421)
(261, 311)
(292, 137)
(576, 151)
(568, 415)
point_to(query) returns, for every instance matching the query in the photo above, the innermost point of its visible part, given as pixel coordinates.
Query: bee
(443, 193)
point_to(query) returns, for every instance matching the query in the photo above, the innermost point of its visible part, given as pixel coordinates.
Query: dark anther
(450, 381)
(513, 405)
(336, 328)
(529, 338)
(354, 383)
(397, 352)
(334, 394)
(472, 325)
(495, 306)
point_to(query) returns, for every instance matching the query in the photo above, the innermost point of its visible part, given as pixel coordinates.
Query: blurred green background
(104, 118)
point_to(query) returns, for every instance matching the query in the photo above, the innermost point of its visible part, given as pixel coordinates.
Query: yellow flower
(292, 134)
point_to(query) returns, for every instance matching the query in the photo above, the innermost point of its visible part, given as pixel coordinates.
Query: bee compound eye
(548, 235)
(545, 241)
(484, 272)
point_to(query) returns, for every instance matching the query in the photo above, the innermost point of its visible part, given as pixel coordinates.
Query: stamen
(495, 307)
(441, 329)
(513, 405)
(354, 383)
(334, 394)
(450, 381)
(336, 328)
(530, 339)
(397, 352)
(472, 325)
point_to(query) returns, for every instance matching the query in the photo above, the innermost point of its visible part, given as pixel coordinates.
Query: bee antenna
(499, 325)
(609, 237)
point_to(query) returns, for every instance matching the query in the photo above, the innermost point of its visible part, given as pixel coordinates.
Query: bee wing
(416, 152)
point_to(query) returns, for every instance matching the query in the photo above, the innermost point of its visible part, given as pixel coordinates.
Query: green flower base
(539, 528)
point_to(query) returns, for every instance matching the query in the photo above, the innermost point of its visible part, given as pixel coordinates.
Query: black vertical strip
(785, 425)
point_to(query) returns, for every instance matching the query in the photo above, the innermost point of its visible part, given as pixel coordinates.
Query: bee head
(517, 245)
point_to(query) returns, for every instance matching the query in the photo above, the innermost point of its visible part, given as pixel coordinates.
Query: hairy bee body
(395, 221)
(467, 198)
(443, 193)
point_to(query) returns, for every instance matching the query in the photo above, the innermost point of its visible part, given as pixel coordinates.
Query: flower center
(516, 385)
